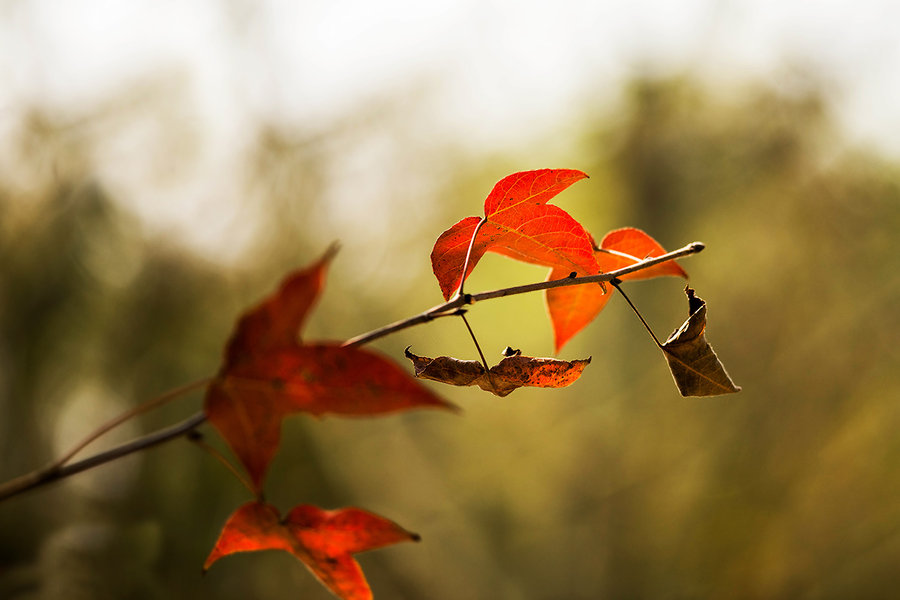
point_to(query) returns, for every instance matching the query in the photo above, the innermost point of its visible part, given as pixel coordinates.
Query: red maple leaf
(571, 308)
(324, 540)
(269, 374)
(519, 224)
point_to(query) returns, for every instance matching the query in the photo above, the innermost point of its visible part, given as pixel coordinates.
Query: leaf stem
(615, 283)
(487, 369)
(624, 255)
(197, 438)
(462, 280)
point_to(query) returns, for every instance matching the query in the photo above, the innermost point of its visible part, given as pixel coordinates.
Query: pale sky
(497, 72)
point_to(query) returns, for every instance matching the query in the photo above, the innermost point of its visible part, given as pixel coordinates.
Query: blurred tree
(612, 488)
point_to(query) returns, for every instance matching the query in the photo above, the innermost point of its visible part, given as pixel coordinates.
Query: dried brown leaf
(695, 367)
(509, 374)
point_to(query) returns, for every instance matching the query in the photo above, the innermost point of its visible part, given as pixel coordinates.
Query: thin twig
(692, 248)
(451, 306)
(127, 415)
(448, 309)
(43, 477)
(197, 438)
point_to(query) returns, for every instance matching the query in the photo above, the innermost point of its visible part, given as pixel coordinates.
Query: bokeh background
(163, 164)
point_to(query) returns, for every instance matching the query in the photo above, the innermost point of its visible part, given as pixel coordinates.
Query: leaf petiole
(197, 438)
(462, 280)
(487, 369)
(615, 283)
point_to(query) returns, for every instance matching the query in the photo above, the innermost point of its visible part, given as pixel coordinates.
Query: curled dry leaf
(509, 374)
(324, 540)
(695, 367)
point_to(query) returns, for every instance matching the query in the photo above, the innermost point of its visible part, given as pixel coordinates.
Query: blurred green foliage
(615, 487)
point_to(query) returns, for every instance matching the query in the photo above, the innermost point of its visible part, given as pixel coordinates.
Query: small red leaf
(520, 224)
(503, 378)
(268, 374)
(253, 526)
(572, 308)
(324, 540)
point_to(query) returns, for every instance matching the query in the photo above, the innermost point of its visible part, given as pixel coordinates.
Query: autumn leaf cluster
(270, 372)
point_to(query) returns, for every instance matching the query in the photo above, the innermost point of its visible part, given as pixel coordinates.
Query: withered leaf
(509, 374)
(695, 367)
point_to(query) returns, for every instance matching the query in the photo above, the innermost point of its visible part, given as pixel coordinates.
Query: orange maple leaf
(268, 374)
(520, 224)
(324, 540)
(571, 308)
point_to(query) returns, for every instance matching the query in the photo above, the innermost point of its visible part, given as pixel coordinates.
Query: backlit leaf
(269, 374)
(519, 224)
(571, 308)
(324, 540)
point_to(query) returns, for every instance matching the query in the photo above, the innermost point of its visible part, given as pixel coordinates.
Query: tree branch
(54, 473)
(451, 306)
(58, 470)
(692, 248)
(127, 415)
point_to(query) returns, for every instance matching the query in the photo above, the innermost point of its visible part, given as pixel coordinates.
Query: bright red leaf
(324, 540)
(520, 224)
(269, 374)
(571, 308)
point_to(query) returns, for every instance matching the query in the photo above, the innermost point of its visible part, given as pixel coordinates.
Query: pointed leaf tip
(694, 365)
(276, 322)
